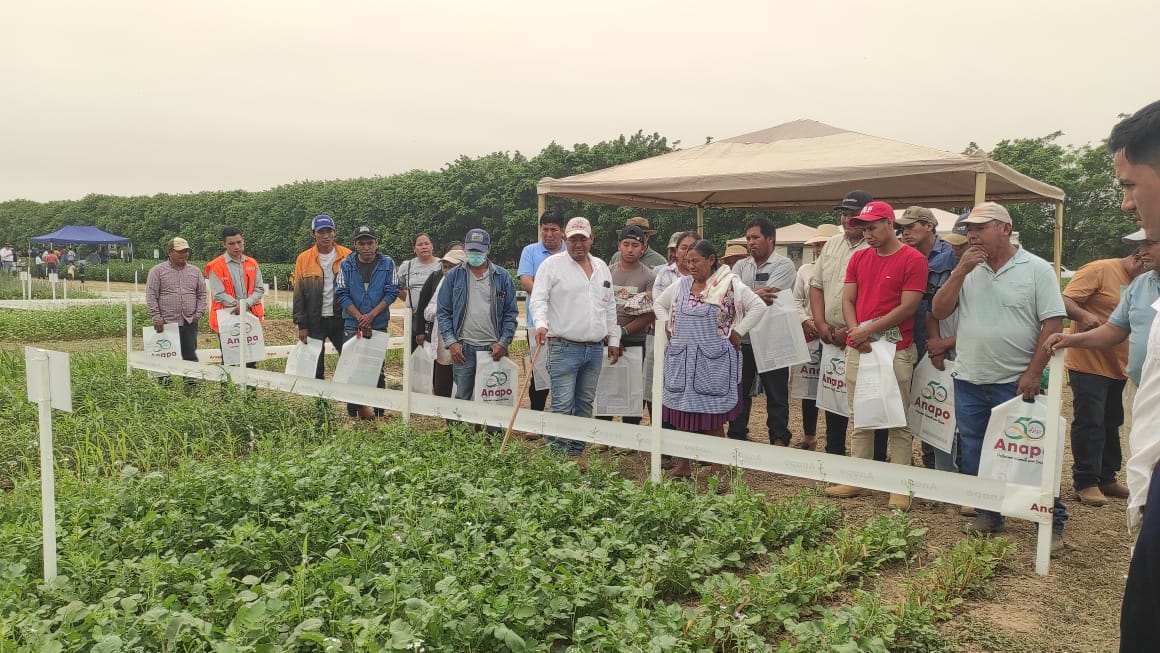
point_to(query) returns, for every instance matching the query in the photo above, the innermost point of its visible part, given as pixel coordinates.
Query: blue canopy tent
(81, 235)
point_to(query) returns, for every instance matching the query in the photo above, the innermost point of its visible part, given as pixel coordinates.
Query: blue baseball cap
(477, 241)
(321, 222)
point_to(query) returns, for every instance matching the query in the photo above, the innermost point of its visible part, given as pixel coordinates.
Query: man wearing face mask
(477, 311)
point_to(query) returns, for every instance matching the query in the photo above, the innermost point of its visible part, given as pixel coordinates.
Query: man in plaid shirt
(175, 294)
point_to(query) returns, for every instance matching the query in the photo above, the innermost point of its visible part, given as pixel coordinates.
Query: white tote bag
(496, 382)
(931, 410)
(832, 396)
(620, 390)
(303, 359)
(803, 377)
(362, 358)
(778, 340)
(422, 371)
(231, 327)
(877, 400)
(1015, 440)
(166, 345)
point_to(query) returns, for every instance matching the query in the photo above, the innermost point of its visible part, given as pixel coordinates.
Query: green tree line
(498, 193)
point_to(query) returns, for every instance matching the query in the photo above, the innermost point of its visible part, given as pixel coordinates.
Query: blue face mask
(476, 259)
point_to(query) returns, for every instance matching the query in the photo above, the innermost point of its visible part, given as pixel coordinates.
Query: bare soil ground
(1075, 609)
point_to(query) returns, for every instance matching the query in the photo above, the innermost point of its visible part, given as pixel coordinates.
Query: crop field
(201, 518)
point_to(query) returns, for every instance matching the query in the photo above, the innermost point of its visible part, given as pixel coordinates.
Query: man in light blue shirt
(551, 242)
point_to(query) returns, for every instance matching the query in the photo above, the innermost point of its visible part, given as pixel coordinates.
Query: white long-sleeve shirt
(572, 305)
(1144, 441)
(750, 307)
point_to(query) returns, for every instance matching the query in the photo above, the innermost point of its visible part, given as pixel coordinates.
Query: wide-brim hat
(823, 233)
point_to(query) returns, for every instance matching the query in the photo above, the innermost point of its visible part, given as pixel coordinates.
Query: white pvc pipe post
(52, 282)
(128, 334)
(108, 284)
(660, 339)
(275, 290)
(47, 471)
(407, 366)
(64, 285)
(1052, 458)
(134, 283)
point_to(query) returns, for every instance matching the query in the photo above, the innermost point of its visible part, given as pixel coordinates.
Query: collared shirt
(530, 260)
(572, 305)
(1000, 316)
(1135, 313)
(478, 326)
(1144, 440)
(238, 277)
(830, 274)
(940, 263)
(776, 272)
(666, 275)
(175, 295)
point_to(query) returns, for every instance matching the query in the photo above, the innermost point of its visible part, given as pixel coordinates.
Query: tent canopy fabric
(800, 165)
(80, 235)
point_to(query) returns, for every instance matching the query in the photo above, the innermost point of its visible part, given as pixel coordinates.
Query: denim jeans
(1097, 414)
(943, 461)
(464, 373)
(775, 383)
(575, 370)
(973, 404)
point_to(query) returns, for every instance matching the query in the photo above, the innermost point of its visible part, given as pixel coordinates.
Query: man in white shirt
(7, 258)
(1135, 147)
(766, 273)
(574, 312)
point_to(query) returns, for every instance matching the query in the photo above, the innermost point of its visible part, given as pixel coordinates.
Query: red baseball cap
(873, 212)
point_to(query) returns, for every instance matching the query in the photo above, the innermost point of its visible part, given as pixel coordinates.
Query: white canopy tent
(805, 165)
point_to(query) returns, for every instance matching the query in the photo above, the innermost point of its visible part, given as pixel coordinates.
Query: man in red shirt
(884, 285)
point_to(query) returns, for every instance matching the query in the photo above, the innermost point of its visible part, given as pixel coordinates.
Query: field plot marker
(49, 386)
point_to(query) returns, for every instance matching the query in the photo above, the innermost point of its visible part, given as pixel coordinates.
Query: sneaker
(1091, 496)
(1057, 545)
(967, 511)
(845, 491)
(984, 524)
(1114, 489)
(899, 502)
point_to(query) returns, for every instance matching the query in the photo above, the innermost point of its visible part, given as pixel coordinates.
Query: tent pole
(541, 207)
(1058, 240)
(980, 187)
(700, 222)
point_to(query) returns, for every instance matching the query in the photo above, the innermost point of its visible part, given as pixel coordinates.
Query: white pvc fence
(1010, 499)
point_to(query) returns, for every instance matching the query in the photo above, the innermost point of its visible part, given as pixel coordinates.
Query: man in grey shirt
(766, 273)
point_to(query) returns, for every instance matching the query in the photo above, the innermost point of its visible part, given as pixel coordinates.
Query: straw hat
(823, 233)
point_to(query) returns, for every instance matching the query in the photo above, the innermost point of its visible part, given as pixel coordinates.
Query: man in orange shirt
(1097, 379)
(317, 312)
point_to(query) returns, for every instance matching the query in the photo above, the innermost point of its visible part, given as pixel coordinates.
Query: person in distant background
(801, 298)
(7, 258)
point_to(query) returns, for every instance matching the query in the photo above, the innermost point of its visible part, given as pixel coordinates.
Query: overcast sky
(142, 97)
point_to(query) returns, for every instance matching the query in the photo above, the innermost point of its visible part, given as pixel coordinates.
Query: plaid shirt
(175, 296)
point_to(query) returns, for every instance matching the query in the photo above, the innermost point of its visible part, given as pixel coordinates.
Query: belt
(574, 342)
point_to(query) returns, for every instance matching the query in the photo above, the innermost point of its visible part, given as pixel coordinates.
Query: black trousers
(810, 417)
(836, 426)
(1097, 414)
(187, 333)
(776, 386)
(1140, 611)
(329, 327)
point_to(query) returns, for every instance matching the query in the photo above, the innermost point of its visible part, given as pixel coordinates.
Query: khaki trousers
(900, 445)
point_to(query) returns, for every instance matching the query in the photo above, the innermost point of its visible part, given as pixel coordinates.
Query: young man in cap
(1008, 303)
(476, 311)
(826, 290)
(551, 242)
(632, 279)
(575, 317)
(766, 273)
(234, 281)
(920, 231)
(1135, 147)
(316, 311)
(884, 285)
(650, 257)
(175, 294)
(366, 288)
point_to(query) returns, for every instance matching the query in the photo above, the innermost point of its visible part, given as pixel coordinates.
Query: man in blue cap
(477, 311)
(317, 311)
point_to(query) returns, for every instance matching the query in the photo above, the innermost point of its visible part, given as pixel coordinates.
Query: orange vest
(221, 269)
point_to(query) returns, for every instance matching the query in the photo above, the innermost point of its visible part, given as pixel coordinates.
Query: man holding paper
(766, 273)
(365, 288)
(884, 285)
(175, 294)
(317, 312)
(234, 281)
(476, 311)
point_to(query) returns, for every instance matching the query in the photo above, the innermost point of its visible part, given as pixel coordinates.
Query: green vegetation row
(87, 322)
(128, 271)
(498, 192)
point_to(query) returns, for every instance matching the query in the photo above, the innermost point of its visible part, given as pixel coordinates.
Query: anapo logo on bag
(1017, 432)
(931, 402)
